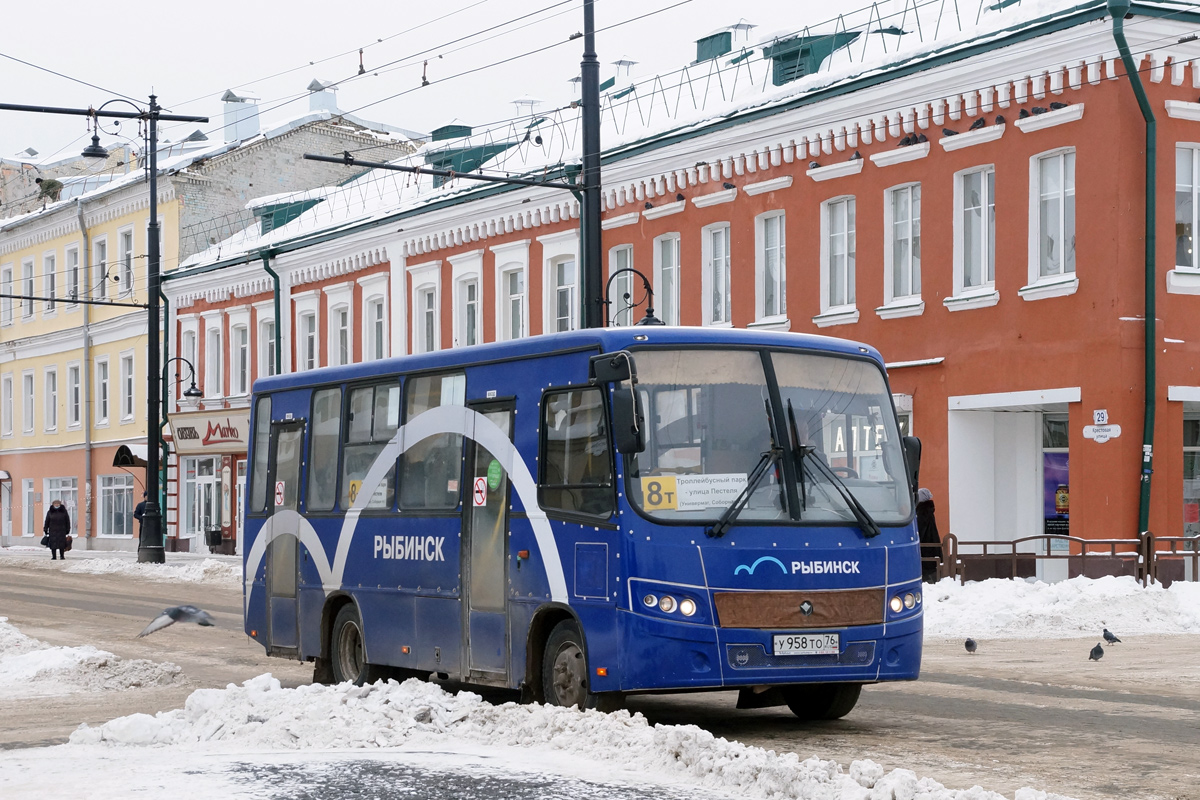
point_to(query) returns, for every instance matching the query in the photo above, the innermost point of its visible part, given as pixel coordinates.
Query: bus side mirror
(629, 423)
(912, 460)
(613, 367)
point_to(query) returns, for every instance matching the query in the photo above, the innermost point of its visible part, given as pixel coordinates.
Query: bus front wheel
(347, 655)
(813, 701)
(565, 672)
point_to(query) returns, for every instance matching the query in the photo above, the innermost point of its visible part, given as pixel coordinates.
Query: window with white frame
(125, 243)
(902, 248)
(1187, 205)
(377, 336)
(100, 269)
(839, 247)
(266, 348)
(213, 383)
(512, 306)
(187, 348)
(116, 505)
(620, 286)
(241, 359)
(127, 387)
(976, 230)
(50, 279)
(6, 302)
(27, 402)
(72, 274)
(102, 391)
(1054, 190)
(27, 504)
(50, 398)
(339, 335)
(666, 278)
(716, 274)
(771, 265)
(27, 288)
(564, 278)
(74, 396)
(427, 318)
(469, 315)
(6, 404)
(308, 340)
(67, 491)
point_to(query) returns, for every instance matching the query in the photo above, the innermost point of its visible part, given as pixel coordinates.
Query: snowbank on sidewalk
(1079, 607)
(207, 571)
(261, 715)
(32, 668)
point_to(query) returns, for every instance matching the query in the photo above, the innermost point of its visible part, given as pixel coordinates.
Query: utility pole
(592, 312)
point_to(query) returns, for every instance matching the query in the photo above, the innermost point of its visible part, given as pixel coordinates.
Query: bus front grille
(791, 610)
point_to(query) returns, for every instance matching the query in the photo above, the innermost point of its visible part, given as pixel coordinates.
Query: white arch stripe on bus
(443, 419)
(304, 532)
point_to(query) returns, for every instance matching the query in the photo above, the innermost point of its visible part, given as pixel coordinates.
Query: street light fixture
(191, 395)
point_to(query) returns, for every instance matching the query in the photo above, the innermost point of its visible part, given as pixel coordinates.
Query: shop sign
(221, 432)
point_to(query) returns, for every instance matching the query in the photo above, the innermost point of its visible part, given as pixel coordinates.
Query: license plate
(807, 644)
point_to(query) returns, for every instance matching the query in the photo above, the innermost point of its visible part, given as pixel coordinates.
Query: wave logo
(749, 570)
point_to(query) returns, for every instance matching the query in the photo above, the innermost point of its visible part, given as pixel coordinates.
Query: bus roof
(603, 339)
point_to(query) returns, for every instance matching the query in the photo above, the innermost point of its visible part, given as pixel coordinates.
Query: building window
(427, 320)
(902, 250)
(50, 420)
(100, 266)
(308, 341)
(1191, 480)
(126, 256)
(666, 277)
(73, 275)
(376, 329)
(1055, 193)
(212, 363)
(116, 505)
(49, 270)
(339, 336)
(565, 308)
(27, 288)
(127, 387)
(469, 319)
(27, 503)
(1187, 193)
(512, 310)
(74, 396)
(241, 360)
(716, 274)
(102, 392)
(6, 404)
(27, 402)
(977, 224)
(771, 266)
(839, 246)
(66, 490)
(6, 302)
(266, 345)
(620, 286)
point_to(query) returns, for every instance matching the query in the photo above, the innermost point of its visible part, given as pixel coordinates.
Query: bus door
(287, 439)
(484, 553)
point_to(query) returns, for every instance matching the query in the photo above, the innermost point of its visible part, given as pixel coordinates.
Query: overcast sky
(189, 54)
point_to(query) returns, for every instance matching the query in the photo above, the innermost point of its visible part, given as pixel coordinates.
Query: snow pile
(1079, 607)
(32, 668)
(261, 715)
(209, 570)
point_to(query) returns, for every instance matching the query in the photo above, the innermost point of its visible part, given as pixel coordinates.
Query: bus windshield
(709, 421)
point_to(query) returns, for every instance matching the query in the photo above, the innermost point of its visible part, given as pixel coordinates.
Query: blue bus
(591, 514)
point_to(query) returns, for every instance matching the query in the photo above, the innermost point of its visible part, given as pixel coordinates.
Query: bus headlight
(667, 604)
(687, 607)
(910, 600)
(918, 598)
(650, 600)
(896, 604)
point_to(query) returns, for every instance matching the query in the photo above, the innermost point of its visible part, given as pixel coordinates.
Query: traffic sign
(479, 495)
(279, 493)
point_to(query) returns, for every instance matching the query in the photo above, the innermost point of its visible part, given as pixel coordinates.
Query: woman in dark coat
(931, 541)
(58, 528)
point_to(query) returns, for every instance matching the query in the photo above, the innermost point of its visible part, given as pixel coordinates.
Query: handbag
(69, 540)
(46, 540)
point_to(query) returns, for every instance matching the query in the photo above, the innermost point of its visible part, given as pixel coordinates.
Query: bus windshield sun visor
(804, 456)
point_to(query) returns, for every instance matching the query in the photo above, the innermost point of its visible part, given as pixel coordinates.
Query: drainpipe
(266, 259)
(87, 378)
(1118, 9)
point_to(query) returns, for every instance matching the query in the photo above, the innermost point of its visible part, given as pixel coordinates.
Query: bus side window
(323, 445)
(431, 469)
(576, 464)
(262, 451)
(371, 421)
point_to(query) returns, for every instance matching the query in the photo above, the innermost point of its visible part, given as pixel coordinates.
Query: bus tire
(565, 672)
(346, 652)
(816, 701)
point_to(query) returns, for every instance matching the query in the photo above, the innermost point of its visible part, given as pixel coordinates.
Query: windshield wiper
(802, 454)
(769, 459)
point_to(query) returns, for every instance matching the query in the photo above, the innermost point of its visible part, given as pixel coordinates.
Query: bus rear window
(262, 452)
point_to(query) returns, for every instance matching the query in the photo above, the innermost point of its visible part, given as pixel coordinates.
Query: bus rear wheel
(347, 655)
(565, 672)
(814, 701)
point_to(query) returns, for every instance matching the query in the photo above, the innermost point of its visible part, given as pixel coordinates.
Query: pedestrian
(139, 511)
(927, 532)
(58, 528)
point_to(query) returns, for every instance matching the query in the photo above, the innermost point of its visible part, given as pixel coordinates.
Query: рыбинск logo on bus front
(810, 567)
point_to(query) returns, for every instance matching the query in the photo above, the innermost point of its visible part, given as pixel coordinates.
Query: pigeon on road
(177, 614)
(1110, 637)
(971, 645)
(1097, 653)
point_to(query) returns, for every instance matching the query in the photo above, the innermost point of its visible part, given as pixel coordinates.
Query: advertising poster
(1056, 497)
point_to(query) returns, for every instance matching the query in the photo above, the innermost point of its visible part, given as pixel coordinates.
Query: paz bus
(590, 514)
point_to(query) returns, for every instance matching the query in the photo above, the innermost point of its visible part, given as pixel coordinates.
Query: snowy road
(1018, 713)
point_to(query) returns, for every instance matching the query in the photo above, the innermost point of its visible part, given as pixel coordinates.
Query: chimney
(322, 96)
(241, 117)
